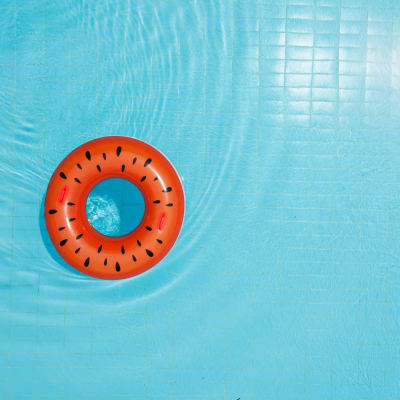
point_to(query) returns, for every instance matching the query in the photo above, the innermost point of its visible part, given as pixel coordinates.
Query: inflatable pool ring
(86, 249)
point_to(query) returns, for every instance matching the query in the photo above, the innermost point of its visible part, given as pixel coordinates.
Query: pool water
(115, 207)
(282, 118)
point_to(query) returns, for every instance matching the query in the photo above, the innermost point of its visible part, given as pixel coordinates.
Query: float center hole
(115, 207)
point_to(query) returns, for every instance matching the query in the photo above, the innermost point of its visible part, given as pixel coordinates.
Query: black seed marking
(156, 201)
(77, 180)
(134, 160)
(148, 228)
(61, 228)
(143, 178)
(79, 236)
(88, 155)
(122, 168)
(122, 250)
(117, 267)
(147, 162)
(99, 249)
(77, 250)
(79, 166)
(63, 242)
(119, 148)
(159, 241)
(104, 155)
(149, 253)
(72, 219)
(70, 203)
(105, 261)
(52, 211)
(156, 178)
(134, 258)
(169, 204)
(138, 242)
(63, 175)
(86, 264)
(168, 189)
(98, 167)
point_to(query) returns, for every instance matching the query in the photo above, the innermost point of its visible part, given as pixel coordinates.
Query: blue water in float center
(115, 207)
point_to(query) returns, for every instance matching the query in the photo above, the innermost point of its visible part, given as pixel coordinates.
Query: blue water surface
(115, 207)
(282, 117)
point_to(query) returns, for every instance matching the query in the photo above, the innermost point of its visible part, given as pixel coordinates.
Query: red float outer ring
(91, 252)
